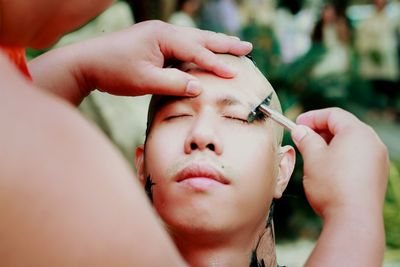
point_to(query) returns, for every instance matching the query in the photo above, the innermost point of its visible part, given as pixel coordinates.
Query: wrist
(350, 237)
(80, 66)
(359, 209)
(61, 72)
(358, 223)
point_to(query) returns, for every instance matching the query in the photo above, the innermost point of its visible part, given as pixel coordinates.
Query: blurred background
(315, 54)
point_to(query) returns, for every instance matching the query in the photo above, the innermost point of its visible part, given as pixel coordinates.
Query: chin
(196, 228)
(195, 222)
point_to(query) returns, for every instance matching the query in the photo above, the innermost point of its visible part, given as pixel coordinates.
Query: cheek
(251, 151)
(163, 147)
(256, 164)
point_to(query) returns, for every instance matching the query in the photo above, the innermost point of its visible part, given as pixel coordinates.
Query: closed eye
(177, 116)
(237, 119)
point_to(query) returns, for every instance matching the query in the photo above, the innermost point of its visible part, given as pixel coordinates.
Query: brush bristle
(256, 114)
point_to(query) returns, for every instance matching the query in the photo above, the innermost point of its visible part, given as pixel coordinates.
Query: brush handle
(277, 117)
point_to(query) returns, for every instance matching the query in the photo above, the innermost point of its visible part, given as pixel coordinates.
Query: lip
(201, 171)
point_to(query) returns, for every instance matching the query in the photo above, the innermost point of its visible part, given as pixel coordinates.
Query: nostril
(193, 146)
(211, 147)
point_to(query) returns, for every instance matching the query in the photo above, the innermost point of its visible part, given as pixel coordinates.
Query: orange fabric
(17, 55)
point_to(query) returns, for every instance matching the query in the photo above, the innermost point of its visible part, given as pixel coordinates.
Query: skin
(48, 194)
(330, 16)
(141, 51)
(191, 7)
(216, 223)
(40, 23)
(52, 158)
(380, 5)
(346, 189)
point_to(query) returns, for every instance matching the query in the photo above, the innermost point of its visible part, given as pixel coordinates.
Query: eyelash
(261, 117)
(237, 119)
(175, 116)
(243, 121)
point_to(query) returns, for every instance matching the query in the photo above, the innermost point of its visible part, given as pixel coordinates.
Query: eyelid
(235, 114)
(175, 111)
(174, 116)
(238, 118)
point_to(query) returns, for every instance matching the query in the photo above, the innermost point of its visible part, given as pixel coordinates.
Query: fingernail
(250, 45)
(193, 88)
(299, 118)
(299, 133)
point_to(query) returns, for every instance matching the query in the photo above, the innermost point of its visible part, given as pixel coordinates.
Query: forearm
(353, 238)
(345, 177)
(71, 200)
(60, 72)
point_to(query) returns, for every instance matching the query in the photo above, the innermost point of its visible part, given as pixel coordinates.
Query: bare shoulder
(38, 127)
(67, 197)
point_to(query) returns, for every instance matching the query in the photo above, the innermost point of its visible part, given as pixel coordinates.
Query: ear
(139, 163)
(287, 159)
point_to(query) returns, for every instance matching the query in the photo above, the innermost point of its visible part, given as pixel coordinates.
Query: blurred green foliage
(391, 210)
(297, 87)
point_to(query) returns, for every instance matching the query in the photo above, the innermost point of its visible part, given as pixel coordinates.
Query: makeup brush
(264, 109)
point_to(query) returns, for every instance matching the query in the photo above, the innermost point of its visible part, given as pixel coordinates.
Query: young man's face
(213, 171)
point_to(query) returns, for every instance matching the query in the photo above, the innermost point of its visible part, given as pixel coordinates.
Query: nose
(203, 136)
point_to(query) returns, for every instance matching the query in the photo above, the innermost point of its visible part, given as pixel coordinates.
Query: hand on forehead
(243, 92)
(249, 80)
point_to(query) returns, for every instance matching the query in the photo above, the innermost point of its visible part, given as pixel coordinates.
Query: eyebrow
(229, 100)
(221, 101)
(166, 100)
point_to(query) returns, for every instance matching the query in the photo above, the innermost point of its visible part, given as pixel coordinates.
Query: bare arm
(130, 62)
(345, 177)
(353, 237)
(67, 198)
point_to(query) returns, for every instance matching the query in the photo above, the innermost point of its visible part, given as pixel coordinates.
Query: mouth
(201, 174)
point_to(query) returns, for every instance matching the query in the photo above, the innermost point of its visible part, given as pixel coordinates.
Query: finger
(333, 120)
(170, 81)
(307, 141)
(198, 47)
(326, 135)
(222, 43)
(206, 59)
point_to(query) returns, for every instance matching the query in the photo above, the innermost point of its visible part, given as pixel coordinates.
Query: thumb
(171, 81)
(307, 141)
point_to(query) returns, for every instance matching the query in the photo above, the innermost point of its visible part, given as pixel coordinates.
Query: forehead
(245, 91)
(249, 86)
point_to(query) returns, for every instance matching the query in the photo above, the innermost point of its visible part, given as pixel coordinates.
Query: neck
(229, 250)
